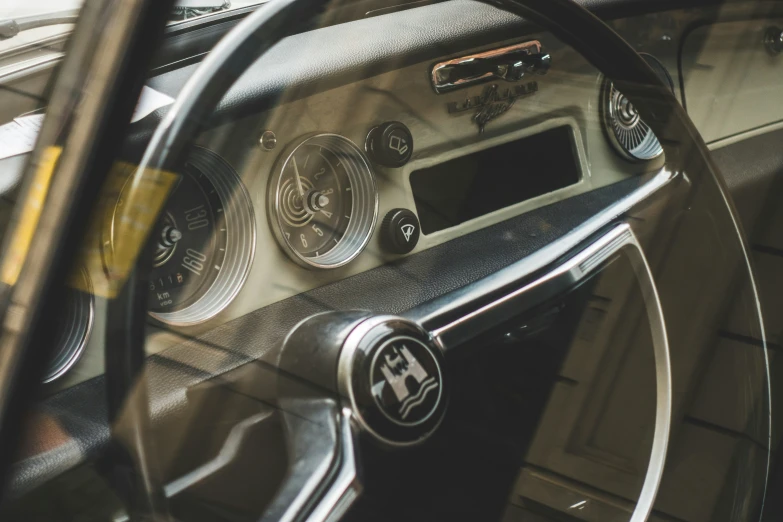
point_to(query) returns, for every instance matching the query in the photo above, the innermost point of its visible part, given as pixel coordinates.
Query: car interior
(371, 260)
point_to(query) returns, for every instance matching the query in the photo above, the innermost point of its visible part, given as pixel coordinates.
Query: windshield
(24, 23)
(19, 8)
(47, 17)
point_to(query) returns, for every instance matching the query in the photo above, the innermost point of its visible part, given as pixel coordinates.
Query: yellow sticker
(128, 209)
(30, 215)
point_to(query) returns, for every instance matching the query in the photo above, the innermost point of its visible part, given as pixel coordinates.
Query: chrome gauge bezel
(74, 339)
(240, 224)
(364, 194)
(620, 125)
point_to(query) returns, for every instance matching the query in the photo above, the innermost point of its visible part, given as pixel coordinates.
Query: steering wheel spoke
(323, 480)
(392, 381)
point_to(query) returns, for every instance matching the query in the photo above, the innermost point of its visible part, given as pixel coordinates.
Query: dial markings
(315, 225)
(188, 244)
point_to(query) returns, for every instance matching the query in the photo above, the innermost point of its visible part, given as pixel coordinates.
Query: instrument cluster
(271, 205)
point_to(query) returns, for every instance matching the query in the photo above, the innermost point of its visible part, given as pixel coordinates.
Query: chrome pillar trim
(429, 314)
(570, 273)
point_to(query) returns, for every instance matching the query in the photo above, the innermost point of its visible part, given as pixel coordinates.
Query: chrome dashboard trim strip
(429, 314)
(17, 70)
(570, 273)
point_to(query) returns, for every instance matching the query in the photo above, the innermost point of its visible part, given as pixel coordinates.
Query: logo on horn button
(406, 381)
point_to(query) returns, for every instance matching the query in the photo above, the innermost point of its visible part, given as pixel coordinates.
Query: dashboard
(254, 247)
(248, 241)
(387, 171)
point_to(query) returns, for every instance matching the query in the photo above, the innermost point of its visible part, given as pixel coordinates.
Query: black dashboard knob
(390, 144)
(400, 231)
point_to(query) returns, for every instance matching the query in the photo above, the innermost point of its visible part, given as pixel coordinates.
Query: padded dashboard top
(332, 56)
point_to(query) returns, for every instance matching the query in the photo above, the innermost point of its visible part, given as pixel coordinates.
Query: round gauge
(323, 202)
(205, 240)
(73, 328)
(631, 137)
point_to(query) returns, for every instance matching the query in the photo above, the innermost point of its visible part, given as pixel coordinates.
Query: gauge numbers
(204, 242)
(191, 244)
(324, 202)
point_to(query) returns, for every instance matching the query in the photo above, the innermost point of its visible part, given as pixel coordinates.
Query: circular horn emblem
(392, 375)
(406, 381)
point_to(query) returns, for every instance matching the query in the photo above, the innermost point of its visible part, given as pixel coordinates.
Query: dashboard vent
(627, 132)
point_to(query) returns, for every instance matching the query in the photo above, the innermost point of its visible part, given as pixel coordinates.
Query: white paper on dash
(18, 136)
(150, 100)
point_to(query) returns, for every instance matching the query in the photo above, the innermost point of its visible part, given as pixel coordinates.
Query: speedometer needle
(299, 186)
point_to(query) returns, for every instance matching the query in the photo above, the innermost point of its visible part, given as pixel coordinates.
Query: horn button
(386, 369)
(392, 374)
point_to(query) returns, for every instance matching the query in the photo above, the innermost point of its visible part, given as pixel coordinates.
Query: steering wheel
(340, 353)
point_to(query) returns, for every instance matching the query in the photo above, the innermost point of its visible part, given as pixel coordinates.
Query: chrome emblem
(493, 102)
(406, 381)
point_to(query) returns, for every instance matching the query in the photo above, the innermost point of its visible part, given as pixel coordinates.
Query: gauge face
(324, 202)
(204, 242)
(315, 210)
(191, 244)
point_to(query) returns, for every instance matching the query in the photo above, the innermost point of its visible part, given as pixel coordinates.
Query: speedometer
(323, 202)
(204, 242)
